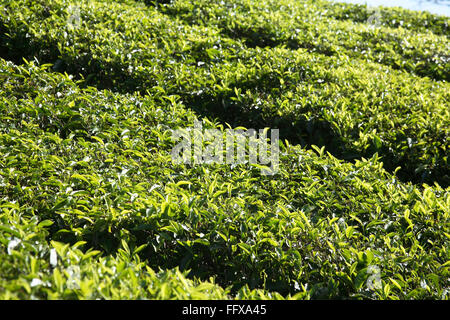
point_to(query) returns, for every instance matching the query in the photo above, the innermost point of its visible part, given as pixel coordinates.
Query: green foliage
(94, 166)
(341, 98)
(301, 24)
(91, 205)
(420, 21)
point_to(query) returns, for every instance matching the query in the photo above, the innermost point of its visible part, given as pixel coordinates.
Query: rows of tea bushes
(395, 17)
(76, 209)
(299, 24)
(352, 105)
(91, 205)
(33, 268)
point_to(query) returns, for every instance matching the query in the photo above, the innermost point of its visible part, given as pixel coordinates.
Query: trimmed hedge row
(58, 144)
(95, 166)
(352, 106)
(420, 21)
(297, 24)
(393, 17)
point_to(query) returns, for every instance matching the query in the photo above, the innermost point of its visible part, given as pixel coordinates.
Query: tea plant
(92, 206)
(350, 104)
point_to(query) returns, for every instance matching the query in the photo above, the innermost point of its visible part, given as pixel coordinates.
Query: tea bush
(352, 105)
(91, 205)
(300, 24)
(88, 173)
